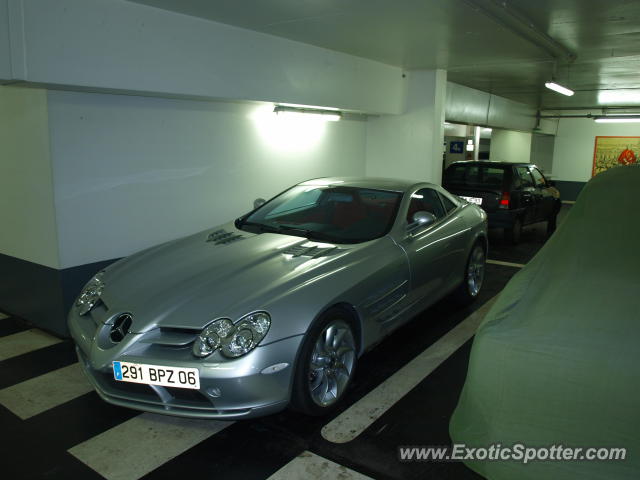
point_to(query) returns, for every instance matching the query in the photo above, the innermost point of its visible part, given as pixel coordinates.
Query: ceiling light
(559, 88)
(619, 97)
(327, 115)
(488, 130)
(618, 119)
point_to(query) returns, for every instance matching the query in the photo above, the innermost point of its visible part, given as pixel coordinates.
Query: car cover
(556, 360)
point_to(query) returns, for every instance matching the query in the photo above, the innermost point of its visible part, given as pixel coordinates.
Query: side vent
(222, 237)
(308, 251)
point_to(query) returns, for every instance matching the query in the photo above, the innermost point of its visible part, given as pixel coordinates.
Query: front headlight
(90, 294)
(232, 340)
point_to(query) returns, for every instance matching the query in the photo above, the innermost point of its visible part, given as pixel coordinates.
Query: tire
(326, 364)
(512, 235)
(470, 287)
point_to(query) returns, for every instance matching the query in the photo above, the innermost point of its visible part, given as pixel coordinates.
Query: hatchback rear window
(474, 176)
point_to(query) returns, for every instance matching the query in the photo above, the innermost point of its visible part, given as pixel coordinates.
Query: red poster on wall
(612, 152)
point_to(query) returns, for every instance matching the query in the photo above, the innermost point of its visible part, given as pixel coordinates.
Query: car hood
(219, 272)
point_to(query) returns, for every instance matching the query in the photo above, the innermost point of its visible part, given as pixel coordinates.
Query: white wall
(410, 145)
(131, 172)
(575, 143)
(5, 56)
(510, 146)
(542, 147)
(123, 46)
(27, 219)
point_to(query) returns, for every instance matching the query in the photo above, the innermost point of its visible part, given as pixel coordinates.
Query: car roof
(394, 184)
(492, 163)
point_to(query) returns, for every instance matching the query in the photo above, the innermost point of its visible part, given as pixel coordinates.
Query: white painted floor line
(136, 447)
(3, 316)
(353, 421)
(47, 391)
(568, 202)
(24, 342)
(310, 466)
(506, 264)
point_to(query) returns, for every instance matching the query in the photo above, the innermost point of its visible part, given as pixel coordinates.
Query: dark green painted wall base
(42, 295)
(569, 190)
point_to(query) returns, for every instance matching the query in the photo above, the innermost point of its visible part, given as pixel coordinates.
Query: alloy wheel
(331, 364)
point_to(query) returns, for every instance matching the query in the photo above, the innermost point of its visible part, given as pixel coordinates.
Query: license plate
(157, 375)
(476, 200)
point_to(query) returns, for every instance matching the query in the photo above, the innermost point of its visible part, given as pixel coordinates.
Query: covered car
(556, 360)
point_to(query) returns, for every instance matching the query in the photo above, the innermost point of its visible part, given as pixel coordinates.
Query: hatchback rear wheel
(514, 233)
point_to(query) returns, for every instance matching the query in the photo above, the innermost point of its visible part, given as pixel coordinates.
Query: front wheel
(470, 288)
(325, 366)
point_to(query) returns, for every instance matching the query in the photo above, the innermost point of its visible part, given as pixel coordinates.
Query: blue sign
(456, 147)
(117, 371)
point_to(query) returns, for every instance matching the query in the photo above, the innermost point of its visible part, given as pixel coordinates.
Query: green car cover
(556, 361)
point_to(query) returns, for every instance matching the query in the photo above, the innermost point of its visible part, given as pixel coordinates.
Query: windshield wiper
(289, 230)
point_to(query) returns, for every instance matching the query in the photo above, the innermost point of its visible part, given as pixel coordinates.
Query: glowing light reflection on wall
(289, 134)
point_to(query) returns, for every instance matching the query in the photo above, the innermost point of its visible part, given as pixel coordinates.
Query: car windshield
(474, 176)
(333, 213)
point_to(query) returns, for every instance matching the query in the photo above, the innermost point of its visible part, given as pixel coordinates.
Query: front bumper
(230, 389)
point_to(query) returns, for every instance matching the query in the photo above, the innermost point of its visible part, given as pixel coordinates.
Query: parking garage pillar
(409, 145)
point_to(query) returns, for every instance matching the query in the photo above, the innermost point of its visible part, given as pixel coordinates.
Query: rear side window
(474, 176)
(425, 200)
(538, 178)
(448, 204)
(524, 177)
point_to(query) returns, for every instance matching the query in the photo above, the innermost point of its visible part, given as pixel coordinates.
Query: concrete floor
(55, 426)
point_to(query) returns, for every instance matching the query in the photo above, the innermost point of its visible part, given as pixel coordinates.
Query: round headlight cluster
(232, 340)
(90, 294)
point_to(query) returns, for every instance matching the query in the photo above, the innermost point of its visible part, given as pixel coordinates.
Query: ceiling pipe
(590, 115)
(506, 15)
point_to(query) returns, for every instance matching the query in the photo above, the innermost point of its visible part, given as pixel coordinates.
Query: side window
(538, 177)
(448, 204)
(425, 200)
(524, 176)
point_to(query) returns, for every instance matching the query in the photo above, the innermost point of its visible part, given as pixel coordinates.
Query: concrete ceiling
(477, 41)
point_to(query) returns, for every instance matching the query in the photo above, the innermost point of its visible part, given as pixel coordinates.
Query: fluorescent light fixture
(559, 88)
(619, 97)
(488, 130)
(618, 119)
(327, 115)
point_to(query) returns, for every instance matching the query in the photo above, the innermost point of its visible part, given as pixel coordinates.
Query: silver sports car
(275, 308)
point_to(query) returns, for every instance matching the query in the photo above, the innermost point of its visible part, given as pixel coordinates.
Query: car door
(434, 251)
(544, 196)
(526, 194)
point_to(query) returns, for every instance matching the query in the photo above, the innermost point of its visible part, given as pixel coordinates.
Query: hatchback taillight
(505, 200)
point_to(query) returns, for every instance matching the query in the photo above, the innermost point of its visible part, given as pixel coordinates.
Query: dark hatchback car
(512, 194)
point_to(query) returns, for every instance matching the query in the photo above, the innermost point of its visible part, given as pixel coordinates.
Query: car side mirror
(258, 202)
(422, 219)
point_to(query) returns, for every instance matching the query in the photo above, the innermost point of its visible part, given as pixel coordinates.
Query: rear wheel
(470, 288)
(513, 234)
(326, 364)
(553, 220)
